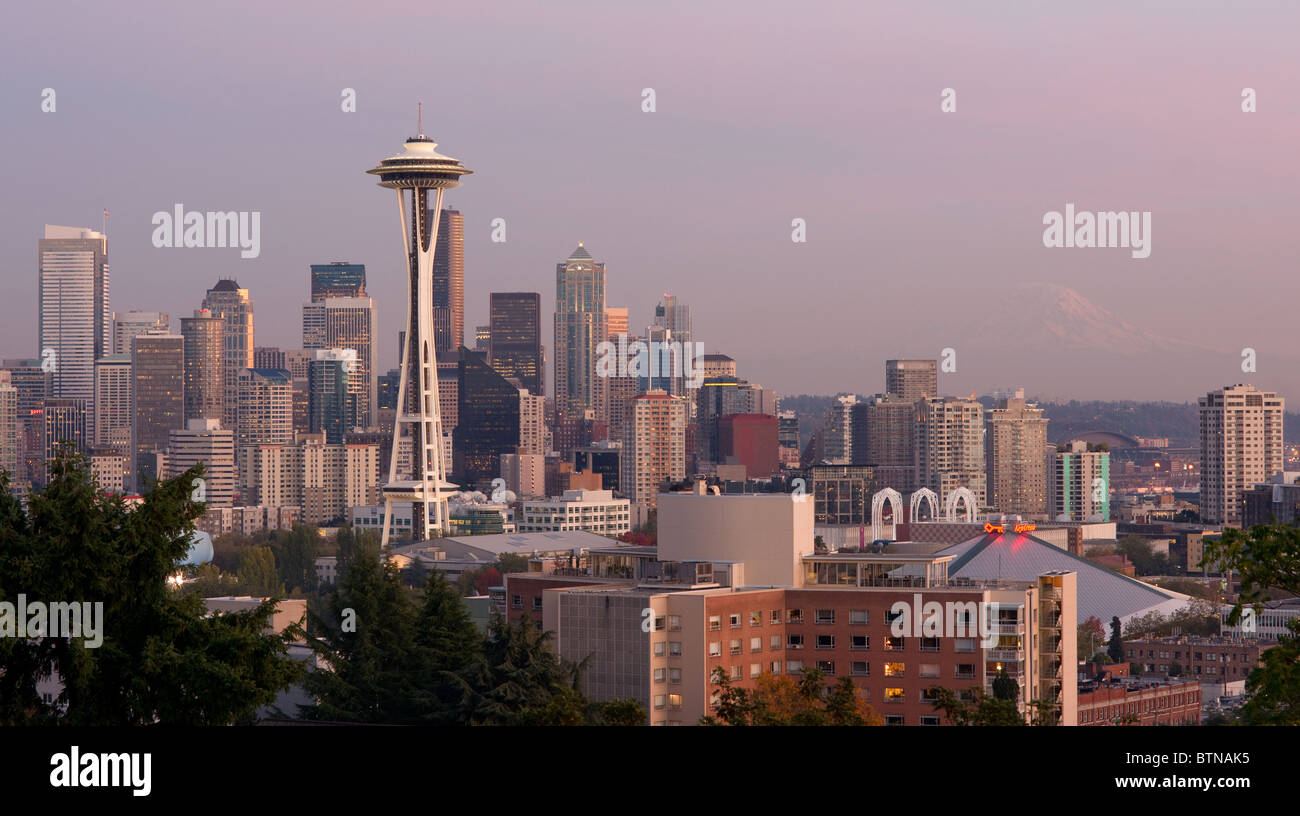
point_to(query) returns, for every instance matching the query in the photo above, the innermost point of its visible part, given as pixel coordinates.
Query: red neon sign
(989, 527)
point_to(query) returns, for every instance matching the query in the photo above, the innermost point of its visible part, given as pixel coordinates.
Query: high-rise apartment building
(515, 338)
(912, 379)
(489, 421)
(324, 480)
(884, 437)
(449, 282)
(232, 304)
(345, 323)
(1013, 445)
(265, 399)
(580, 326)
(157, 399)
(34, 386)
(534, 435)
(203, 441)
(73, 311)
(1078, 483)
(126, 325)
(113, 386)
(338, 279)
(1241, 446)
(204, 384)
(787, 438)
(950, 446)
(654, 447)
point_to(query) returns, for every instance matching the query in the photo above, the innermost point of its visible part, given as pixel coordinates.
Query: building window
(893, 719)
(516, 601)
(755, 669)
(859, 616)
(895, 669)
(827, 667)
(715, 649)
(965, 670)
(674, 623)
(929, 670)
(735, 647)
(861, 668)
(756, 644)
(659, 623)
(860, 642)
(775, 617)
(675, 700)
(537, 604)
(659, 675)
(776, 667)
(674, 675)
(794, 641)
(894, 644)
(929, 644)
(964, 645)
(715, 623)
(675, 648)
(776, 642)
(929, 719)
(894, 695)
(825, 641)
(659, 701)
(794, 616)
(756, 618)
(659, 649)
(892, 616)
(825, 616)
(734, 672)
(735, 621)
(793, 666)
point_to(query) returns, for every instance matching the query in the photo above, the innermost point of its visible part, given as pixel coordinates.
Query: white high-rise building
(73, 309)
(534, 436)
(1241, 446)
(232, 304)
(837, 438)
(950, 446)
(203, 440)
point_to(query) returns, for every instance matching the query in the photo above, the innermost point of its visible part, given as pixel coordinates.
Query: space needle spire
(420, 175)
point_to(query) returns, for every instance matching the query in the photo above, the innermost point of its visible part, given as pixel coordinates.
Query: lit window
(675, 700)
(894, 695)
(895, 669)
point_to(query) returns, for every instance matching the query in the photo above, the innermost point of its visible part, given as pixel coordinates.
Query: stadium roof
(1102, 593)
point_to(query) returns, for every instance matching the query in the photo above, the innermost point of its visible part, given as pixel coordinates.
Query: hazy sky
(917, 220)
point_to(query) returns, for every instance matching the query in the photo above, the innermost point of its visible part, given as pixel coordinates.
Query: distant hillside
(1177, 421)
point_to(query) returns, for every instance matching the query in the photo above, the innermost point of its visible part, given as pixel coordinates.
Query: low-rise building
(1131, 701)
(596, 511)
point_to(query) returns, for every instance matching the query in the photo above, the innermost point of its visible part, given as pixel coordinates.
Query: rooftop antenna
(419, 119)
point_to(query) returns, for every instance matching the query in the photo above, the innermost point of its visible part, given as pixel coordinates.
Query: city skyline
(960, 207)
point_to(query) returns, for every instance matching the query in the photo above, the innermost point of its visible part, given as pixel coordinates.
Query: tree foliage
(783, 700)
(162, 659)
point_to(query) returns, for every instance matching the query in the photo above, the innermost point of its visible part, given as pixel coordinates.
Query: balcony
(1011, 629)
(1013, 655)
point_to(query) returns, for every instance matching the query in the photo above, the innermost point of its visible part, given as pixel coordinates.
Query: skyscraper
(157, 398)
(837, 438)
(126, 325)
(338, 279)
(10, 442)
(579, 327)
(884, 436)
(654, 447)
(233, 305)
(950, 446)
(616, 322)
(672, 314)
(336, 388)
(1241, 446)
(65, 425)
(34, 386)
(1014, 442)
(113, 386)
(515, 338)
(912, 379)
(345, 323)
(265, 401)
(73, 309)
(449, 281)
(421, 171)
(204, 384)
(489, 420)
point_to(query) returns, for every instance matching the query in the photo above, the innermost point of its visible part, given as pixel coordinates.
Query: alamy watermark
(208, 230)
(1131, 230)
(948, 619)
(654, 359)
(60, 620)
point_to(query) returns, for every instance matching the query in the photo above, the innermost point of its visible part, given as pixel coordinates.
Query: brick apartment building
(1208, 660)
(1150, 702)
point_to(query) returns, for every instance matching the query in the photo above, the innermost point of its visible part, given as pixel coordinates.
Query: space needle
(425, 173)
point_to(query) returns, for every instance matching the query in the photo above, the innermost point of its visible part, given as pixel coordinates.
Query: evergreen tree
(162, 659)
(1116, 646)
(1004, 687)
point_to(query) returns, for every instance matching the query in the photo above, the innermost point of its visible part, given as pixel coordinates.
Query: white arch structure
(895, 500)
(925, 494)
(964, 495)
